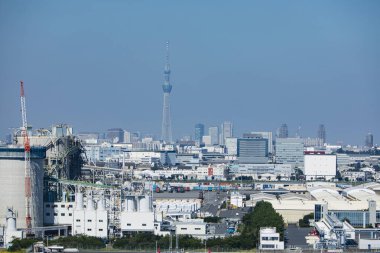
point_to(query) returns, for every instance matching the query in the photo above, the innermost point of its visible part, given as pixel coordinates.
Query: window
(89, 229)
(55, 214)
(89, 220)
(47, 214)
(78, 220)
(62, 214)
(62, 206)
(70, 214)
(144, 225)
(197, 228)
(100, 220)
(47, 205)
(128, 224)
(183, 228)
(267, 246)
(55, 205)
(70, 206)
(100, 229)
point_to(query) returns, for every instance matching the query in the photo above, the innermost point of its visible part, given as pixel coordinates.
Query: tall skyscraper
(283, 131)
(199, 132)
(369, 140)
(213, 132)
(166, 134)
(322, 133)
(226, 131)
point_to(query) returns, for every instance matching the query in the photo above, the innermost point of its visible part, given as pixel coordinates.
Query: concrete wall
(12, 182)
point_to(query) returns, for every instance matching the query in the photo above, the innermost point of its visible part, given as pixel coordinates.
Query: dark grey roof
(234, 213)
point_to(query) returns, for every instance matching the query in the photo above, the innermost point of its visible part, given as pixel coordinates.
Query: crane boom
(24, 132)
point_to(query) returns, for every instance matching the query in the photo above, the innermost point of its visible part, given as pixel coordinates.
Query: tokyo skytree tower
(166, 134)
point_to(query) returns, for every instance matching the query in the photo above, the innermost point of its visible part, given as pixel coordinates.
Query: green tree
(304, 222)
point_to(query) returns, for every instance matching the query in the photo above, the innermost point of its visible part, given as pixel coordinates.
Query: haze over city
(98, 65)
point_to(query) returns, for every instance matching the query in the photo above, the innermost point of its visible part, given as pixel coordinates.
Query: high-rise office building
(226, 131)
(231, 146)
(116, 135)
(290, 151)
(252, 150)
(322, 133)
(213, 132)
(283, 131)
(166, 134)
(269, 137)
(199, 132)
(127, 136)
(369, 140)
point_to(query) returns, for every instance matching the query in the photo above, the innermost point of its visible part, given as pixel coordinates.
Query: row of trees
(80, 242)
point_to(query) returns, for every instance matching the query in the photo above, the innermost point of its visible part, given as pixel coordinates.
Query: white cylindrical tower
(101, 206)
(130, 204)
(11, 221)
(90, 202)
(145, 204)
(79, 201)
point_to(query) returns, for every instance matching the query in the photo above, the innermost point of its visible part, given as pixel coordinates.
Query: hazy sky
(99, 64)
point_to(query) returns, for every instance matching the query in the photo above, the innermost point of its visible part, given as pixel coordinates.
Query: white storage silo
(11, 221)
(145, 204)
(129, 204)
(90, 202)
(79, 201)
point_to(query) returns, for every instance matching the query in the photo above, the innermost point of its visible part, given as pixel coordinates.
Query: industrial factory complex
(124, 190)
(58, 183)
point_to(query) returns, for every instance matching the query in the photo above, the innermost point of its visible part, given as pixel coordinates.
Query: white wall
(320, 166)
(137, 221)
(374, 244)
(191, 229)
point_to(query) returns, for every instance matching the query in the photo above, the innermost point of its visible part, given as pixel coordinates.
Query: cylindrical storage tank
(12, 181)
(130, 204)
(79, 201)
(11, 221)
(90, 202)
(64, 199)
(145, 204)
(100, 206)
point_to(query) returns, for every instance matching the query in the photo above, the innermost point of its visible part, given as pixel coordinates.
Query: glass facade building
(290, 150)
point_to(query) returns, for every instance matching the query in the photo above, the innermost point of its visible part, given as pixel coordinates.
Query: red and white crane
(24, 133)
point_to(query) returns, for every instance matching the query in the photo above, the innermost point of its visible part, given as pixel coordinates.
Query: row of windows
(56, 214)
(129, 224)
(63, 206)
(78, 220)
(265, 238)
(267, 246)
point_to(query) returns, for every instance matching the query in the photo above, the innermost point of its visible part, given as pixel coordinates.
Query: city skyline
(267, 65)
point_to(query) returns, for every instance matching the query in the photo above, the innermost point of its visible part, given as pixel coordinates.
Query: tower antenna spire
(166, 134)
(167, 52)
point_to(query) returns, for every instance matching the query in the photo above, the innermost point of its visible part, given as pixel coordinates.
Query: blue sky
(99, 64)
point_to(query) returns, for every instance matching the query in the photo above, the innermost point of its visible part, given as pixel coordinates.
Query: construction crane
(28, 185)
